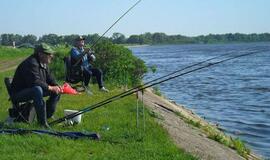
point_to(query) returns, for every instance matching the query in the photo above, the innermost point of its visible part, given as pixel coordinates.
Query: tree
(159, 37)
(118, 38)
(32, 39)
(69, 39)
(8, 39)
(133, 39)
(91, 38)
(50, 39)
(147, 38)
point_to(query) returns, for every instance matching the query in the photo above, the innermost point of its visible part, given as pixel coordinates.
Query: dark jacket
(32, 73)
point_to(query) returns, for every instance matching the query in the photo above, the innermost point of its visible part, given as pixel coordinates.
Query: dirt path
(185, 136)
(6, 65)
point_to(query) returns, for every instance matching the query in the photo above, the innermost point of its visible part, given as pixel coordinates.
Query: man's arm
(75, 54)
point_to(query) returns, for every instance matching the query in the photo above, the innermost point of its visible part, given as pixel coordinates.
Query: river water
(235, 94)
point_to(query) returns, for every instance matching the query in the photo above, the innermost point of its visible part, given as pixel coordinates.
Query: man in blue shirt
(76, 52)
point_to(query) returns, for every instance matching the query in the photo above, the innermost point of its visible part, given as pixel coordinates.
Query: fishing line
(142, 87)
(182, 69)
(135, 88)
(81, 56)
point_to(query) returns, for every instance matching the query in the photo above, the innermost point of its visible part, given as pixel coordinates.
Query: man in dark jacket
(33, 81)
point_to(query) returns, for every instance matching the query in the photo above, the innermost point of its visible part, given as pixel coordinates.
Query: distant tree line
(52, 39)
(146, 38)
(162, 38)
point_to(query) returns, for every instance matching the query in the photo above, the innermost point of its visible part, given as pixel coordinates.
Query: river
(235, 94)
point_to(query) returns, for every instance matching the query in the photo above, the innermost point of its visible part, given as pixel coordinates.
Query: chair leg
(32, 115)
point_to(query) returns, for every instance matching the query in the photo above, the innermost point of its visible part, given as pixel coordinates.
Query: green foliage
(146, 38)
(51, 39)
(157, 91)
(162, 38)
(236, 144)
(8, 39)
(189, 121)
(57, 66)
(119, 65)
(118, 38)
(8, 52)
(153, 68)
(240, 147)
(155, 115)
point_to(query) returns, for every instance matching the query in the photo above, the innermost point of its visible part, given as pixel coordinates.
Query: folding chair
(74, 74)
(19, 112)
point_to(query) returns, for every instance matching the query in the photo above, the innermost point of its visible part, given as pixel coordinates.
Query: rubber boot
(42, 116)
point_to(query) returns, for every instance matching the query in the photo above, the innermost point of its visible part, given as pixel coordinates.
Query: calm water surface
(234, 94)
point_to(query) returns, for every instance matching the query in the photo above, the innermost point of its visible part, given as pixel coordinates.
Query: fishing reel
(90, 54)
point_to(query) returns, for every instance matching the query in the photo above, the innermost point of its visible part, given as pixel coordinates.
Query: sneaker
(103, 89)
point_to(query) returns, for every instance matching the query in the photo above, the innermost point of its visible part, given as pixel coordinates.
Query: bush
(57, 67)
(118, 64)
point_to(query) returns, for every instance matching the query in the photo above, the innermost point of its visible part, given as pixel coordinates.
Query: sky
(185, 17)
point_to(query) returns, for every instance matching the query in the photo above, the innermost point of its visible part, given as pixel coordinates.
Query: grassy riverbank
(115, 122)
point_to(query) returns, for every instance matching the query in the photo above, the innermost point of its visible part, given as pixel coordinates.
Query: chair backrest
(73, 74)
(67, 61)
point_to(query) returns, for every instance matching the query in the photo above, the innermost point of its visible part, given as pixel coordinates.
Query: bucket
(76, 119)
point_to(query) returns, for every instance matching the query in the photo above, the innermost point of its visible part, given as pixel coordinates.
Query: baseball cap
(44, 48)
(79, 38)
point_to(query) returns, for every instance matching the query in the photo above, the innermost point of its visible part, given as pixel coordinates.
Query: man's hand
(56, 89)
(92, 57)
(88, 51)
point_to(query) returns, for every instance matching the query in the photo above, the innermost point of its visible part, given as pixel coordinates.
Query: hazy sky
(186, 17)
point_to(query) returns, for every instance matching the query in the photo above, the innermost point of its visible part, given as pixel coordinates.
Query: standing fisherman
(33, 81)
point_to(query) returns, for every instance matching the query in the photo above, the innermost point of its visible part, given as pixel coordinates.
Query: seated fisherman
(33, 81)
(76, 52)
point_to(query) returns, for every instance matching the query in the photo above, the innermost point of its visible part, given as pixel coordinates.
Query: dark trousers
(36, 93)
(88, 72)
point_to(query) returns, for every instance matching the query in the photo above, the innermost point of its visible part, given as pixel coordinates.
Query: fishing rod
(217, 57)
(92, 107)
(139, 86)
(94, 44)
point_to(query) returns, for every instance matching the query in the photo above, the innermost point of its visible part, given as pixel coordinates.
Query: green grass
(157, 91)
(7, 53)
(123, 140)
